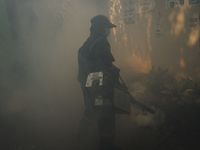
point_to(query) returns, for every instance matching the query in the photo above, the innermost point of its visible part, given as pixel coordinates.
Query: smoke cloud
(47, 100)
(154, 121)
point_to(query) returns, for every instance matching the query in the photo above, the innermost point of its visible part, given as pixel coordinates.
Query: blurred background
(156, 45)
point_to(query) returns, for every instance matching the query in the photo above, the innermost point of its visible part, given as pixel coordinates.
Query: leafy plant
(182, 90)
(155, 80)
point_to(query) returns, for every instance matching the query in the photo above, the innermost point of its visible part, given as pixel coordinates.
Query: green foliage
(156, 79)
(178, 97)
(58, 10)
(182, 90)
(165, 91)
(62, 13)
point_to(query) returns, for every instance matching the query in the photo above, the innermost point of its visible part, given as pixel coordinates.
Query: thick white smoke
(51, 34)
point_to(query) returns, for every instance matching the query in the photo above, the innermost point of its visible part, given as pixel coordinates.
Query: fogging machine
(122, 99)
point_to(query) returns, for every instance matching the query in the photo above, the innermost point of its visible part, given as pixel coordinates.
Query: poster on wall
(132, 7)
(144, 6)
(191, 2)
(193, 22)
(128, 12)
(174, 3)
(159, 27)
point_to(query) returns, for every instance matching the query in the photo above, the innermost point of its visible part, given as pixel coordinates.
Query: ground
(60, 135)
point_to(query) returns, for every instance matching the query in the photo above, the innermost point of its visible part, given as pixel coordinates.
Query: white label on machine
(94, 76)
(98, 101)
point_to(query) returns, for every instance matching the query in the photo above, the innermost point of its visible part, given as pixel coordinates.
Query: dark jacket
(94, 56)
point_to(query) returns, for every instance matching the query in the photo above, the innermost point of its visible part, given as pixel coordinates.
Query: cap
(101, 20)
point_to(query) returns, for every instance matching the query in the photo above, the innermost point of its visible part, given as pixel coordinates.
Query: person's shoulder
(102, 40)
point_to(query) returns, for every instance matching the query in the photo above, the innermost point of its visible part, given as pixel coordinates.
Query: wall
(137, 48)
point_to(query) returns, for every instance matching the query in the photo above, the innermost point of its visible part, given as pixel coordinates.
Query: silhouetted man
(97, 76)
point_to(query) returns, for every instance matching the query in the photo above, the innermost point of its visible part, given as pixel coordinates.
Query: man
(95, 59)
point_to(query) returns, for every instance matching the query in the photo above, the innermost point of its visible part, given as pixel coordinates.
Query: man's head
(103, 21)
(101, 25)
